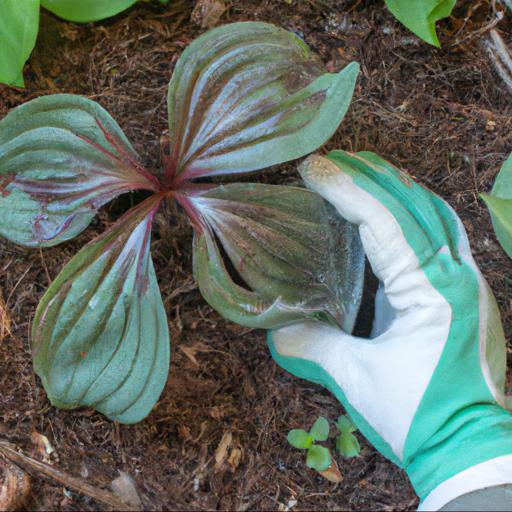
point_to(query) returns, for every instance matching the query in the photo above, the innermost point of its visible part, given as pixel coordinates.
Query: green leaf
(61, 158)
(320, 429)
(84, 11)
(344, 425)
(420, 16)
(501, 213)
(499, 203)
(299, 438)
(348, 445)
(318, 457)
(296, 257)
(100, 336)
(19, 25)
(248, 95)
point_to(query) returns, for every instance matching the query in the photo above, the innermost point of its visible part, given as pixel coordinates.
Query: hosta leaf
(299, 438)
(499, 203)
(420, 16)
(297, 258)
(249, 95)
(83, 11)
(19, 25)
(100, 336)
(318, 457)
(61, 158)
(320, 429)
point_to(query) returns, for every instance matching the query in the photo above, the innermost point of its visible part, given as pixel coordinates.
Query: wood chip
(207, 13)
(14, 486)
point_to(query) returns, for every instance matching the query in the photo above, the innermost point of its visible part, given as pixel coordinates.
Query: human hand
(428, 389)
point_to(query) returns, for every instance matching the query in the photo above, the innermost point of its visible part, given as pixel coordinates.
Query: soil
(442, 114)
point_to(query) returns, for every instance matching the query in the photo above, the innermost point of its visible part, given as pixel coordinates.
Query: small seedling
(346, 442)
(317, 457)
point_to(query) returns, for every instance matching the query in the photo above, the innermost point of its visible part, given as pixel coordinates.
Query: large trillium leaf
(499, 203)
(19, 25)
(61, 158)
(248, 95)
(294, 256)
(83, 11)
(100, 335)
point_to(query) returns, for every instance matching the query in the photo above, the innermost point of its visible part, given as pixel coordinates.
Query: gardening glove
(428, 389)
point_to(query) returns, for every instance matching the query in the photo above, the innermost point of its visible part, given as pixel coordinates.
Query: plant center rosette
(243, 97)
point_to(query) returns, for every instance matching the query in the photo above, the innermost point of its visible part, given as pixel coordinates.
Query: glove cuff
(489, 474)
(474, 435)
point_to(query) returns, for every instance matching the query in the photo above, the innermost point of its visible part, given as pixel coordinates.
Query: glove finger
(403, 226)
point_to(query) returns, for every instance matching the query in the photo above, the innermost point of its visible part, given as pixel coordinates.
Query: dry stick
(500, 57)
(41, 469)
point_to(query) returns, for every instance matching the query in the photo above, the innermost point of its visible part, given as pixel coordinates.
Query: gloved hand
(428, 389)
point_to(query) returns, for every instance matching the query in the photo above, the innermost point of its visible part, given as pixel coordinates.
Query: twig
(481, 30)
(500, 57)
(41, 469)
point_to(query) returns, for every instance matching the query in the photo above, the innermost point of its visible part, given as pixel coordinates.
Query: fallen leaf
(124, 488)
(5, 322)
(207, 13)
(235, 457)
(43, 445)
(332, 473)
(222, 450)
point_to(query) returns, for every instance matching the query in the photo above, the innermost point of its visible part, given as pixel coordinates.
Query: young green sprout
(317, 457)
(346, 442)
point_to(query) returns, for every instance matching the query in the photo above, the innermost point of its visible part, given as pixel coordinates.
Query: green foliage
(317, 457)
(499, 203)
(346, 442)
(305, 259)
(320, 429)
(420, 16)
(300, 439)
(100, 335)
(83, 11)
(19, 24)
(253, 95)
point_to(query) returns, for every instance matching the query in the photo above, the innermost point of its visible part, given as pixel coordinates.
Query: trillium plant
(243, 97)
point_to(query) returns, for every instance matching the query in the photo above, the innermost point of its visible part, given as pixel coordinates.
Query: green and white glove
(428, 389)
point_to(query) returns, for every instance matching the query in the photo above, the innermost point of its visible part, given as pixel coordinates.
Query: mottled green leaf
(83, 11)
(318, 457)
(297, 258)
(320, 429)
(248, 95)
(19, 25)
(61, 158)
(420, 16)
(100, 336)
(348, 445)
(299, 438)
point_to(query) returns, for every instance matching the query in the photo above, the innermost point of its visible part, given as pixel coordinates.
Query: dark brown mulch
(441, 114)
